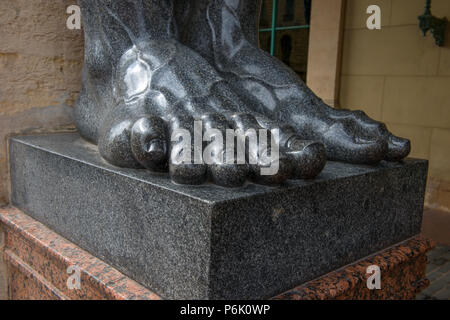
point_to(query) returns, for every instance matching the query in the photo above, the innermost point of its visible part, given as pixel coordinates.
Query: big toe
(398, 148)
(309, 158)
(349, 145)
(149, 143)
(271, 170)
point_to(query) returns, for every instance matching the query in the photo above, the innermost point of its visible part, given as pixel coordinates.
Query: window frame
(273, 29)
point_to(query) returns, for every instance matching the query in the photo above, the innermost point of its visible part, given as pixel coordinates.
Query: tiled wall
(401, 78)
(40, 63)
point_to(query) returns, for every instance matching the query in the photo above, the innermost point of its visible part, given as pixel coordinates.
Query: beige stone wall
(325, 49)
(399, 77)
(40, 63)
(3, 273)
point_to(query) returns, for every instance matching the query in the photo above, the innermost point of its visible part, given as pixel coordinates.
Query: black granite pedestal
(207, 242)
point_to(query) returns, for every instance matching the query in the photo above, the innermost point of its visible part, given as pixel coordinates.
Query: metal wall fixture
(437, 26)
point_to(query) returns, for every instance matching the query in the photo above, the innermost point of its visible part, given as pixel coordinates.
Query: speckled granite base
(38, 259)
(207, 242)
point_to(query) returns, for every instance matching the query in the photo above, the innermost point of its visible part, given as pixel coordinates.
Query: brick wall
(401, 78)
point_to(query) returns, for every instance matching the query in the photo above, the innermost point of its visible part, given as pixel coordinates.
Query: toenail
(157, 149)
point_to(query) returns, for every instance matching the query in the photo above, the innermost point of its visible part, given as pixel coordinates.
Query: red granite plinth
(38, 259)
(403, 276)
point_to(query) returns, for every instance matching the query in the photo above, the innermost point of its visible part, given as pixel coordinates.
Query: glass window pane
(291, 46)
(293, 12)
(292, 49)
(266, 14)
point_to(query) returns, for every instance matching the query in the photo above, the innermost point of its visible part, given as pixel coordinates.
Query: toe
(398, 148)
(367, 126)
(149, 143)
(268, 165)
(348, 144)
(228, 173)
(309, 158)
(187, 173)
(185, 161)
(182, 168)
(223, 169)
(271, 170)
(114, 144)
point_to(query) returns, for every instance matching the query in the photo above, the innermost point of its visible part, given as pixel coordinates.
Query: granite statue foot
(143, 92)
(225, 32)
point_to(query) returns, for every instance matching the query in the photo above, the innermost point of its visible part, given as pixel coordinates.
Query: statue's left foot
(352, 136)
(279, 94)
(269, 87)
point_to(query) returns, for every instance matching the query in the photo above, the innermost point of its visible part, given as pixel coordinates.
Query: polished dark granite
(152, 67)
(208, 242)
